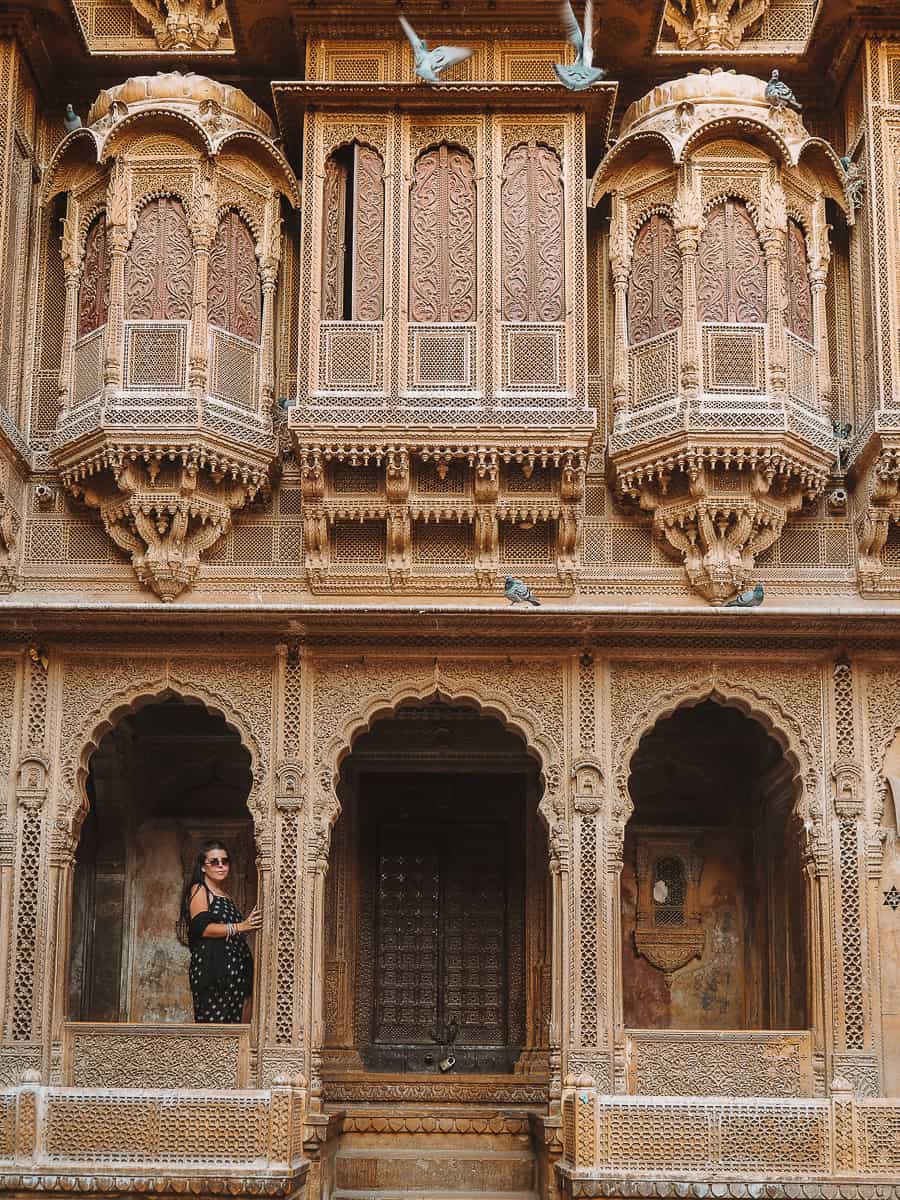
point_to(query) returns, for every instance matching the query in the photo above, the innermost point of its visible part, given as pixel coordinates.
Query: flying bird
(71, 120)
(750, 598)
(582, 73)
(430, 63)
(518, 592)
(779, 95)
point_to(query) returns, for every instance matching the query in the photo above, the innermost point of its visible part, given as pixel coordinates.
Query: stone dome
(716, 87)
(172, 88)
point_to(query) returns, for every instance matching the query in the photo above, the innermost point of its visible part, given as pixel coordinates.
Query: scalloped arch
(526, 725)
(152, 116)
(286, 178)
(756, 705)
(52, 184)
(246, 216)
(600, 184)
(738, 125)
(131, 700)
(735, 192)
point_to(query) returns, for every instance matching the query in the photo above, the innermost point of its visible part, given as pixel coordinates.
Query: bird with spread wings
(430, 63)
(582, 72)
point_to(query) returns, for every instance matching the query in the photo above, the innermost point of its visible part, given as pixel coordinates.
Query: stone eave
(336, 439)
(294, 97)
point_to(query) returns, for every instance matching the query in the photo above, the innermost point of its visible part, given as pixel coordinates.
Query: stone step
(425, 1169)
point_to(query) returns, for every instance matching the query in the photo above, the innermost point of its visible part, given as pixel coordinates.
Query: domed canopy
(701, 88)
(174, 88)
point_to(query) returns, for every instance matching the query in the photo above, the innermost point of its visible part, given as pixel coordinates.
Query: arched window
(531, 208)
(732, 278)
(799, 307)
(442, 252)
(654, 288)
(669, 891)
(233, 295)
(353, 243)
(93, 297)
(159, 270)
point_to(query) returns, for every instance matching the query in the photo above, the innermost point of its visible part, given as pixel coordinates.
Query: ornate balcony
(719, 254)
(171, 262)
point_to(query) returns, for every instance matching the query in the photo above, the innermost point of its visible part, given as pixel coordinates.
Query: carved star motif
(892, 898)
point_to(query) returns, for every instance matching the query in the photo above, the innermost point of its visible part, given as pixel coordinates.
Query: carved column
(72, 268)
(620, 262)
(269, 261)
(818, 277)
(687, 222)
(202, 231)
(854, 1056)
(774, 237)
(117, 240)
(24, 1005)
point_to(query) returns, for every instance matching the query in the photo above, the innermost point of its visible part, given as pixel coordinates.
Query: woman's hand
(252, 922)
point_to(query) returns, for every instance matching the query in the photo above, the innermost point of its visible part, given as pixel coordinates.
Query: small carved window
(233, 295)
(159, 270)
(799, 296)
(669, 891)
(442, 250)
(93, 296)
(732, 277)
(531, 205)
(353, 242)
(654, 289)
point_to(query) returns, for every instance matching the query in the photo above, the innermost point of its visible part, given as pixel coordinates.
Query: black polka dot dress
(220, 1000)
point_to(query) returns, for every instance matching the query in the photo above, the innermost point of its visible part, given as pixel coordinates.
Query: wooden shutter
(799, 308)
(442, 257)
(654, 287)
(159, 270)
(353, 236)
(93, 296)
(233, 294)
(532, 235)
(732, 277)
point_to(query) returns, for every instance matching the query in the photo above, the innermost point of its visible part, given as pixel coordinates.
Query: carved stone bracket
(184, 24)
(717, 509)
(697, 25)
(165, 509)
(881, 508)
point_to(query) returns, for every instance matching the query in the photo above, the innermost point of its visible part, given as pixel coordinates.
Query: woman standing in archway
(221, 970)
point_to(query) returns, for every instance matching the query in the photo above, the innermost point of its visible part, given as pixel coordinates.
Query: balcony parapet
(126, 1141)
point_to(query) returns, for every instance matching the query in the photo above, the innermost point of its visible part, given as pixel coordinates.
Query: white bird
(430, 63)
(582, 73)
(518, 592)
(71, 120)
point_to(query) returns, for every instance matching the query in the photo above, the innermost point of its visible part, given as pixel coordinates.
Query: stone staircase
(434, 1153)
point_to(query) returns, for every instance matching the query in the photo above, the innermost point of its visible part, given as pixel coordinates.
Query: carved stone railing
(96, 1054)
(351, 356)
(694, 1062)
(127, 1140)
(534, 357)
(442, 358)
(608, 1140)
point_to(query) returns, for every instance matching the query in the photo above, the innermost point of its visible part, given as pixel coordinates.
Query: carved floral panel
(798, 316)
(442, 255)
(532, 225)
(233, 294)
(353, 224)
(654, 289)
(731, 284)
(93, 297)
(159, 270)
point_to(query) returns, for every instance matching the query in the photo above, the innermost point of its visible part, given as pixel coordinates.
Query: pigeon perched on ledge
(430, 63)
(71, 120)
(750, 598)
(518, 592)
(582, 72)
(779, 95)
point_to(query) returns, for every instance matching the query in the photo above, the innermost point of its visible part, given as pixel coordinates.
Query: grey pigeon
(780, 95)
(430, 63)
(750, 598)
(842, 429)
(518, 592)
(71, 120)
(582, 73)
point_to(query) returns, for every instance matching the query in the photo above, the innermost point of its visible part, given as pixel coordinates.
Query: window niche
(668, 930)
(655, 282)
(159, 269)
(532, 212)
(353, 235)
(93, 295)
(731, 283)
(442, 238)
(233, 295)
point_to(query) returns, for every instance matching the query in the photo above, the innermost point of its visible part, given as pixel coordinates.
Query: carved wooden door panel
(159, 270)
(353, 236)
(442, 251)
(444, 920)
(732, 277)
(799, 297)
(93, 297)
(233, 294)
(654, 288)
(532, 235)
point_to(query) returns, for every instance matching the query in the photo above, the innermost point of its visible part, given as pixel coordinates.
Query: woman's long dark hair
(183, 924)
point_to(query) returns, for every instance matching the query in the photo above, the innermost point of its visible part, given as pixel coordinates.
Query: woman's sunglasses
(217, 862)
